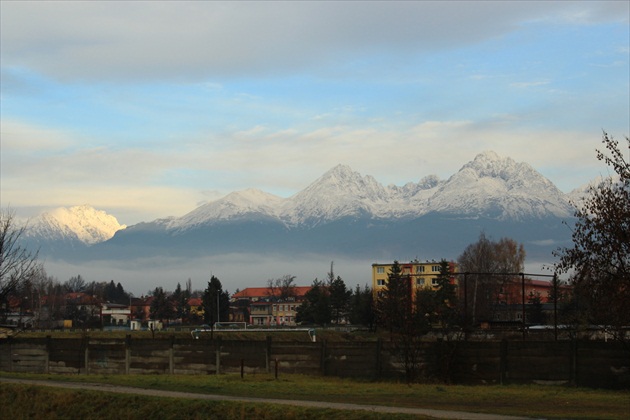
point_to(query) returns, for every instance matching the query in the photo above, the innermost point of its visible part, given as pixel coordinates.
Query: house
(195, 308)
(270, 307)
(420, 274)
(115, 314)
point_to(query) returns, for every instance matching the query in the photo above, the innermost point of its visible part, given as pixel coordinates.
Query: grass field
(531, 401)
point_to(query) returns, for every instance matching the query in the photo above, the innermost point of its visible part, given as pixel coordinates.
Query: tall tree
(490, 265)
(339, 300)
(161, 306)
(180, 297)
(446, 298)
(394, 304)
(599, 260)
(76, 284)
(315, 308)
(214, 303)
(362, 311)
(282, 288)
(17, 263)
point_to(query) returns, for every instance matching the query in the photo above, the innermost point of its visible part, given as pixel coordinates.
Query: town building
(421, 274)
(270, 307)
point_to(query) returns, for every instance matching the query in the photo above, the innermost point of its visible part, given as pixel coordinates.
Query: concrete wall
(581, 363)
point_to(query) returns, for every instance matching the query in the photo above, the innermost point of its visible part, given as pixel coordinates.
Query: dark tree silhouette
(599, 260)
(17, 264)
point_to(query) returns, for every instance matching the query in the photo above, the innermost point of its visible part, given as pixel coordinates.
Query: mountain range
(343, 213)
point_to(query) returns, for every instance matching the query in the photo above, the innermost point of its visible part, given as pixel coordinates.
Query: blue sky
(148, 109)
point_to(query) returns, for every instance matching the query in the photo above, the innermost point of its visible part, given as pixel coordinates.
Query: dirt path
(440, 414)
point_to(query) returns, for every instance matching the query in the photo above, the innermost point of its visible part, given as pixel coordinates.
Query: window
(434, 282)
(435, 268)
(419, 282)
(380, 282)
(380, 270)
(419, 269)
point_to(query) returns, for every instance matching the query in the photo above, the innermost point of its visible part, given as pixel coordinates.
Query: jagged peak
(88, 224)
(250, 195)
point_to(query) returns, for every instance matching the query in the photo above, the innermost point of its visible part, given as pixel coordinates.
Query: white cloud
(16, 136)
(525, 85)
(197, 40)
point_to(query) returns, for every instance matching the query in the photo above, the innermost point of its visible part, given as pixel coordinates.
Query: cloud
(525, 85)
(143, 275)
(16, 136)
(198, 40)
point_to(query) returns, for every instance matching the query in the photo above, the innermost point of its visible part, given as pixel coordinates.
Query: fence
(580, 363)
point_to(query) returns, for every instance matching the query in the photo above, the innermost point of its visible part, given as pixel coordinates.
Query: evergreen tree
(339, 300)
(215, 303)
(181, 303)
(367, 308)
(446, 298)
(535, 312)
(394, 304)
(315, 309)
(161, 306)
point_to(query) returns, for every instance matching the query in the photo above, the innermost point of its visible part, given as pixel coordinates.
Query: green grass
(24, 401)
(530, 400)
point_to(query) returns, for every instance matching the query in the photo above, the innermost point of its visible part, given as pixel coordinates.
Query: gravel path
(439, 414)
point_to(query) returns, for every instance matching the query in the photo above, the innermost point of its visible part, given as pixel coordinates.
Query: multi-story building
(267, 308)
(421, 274)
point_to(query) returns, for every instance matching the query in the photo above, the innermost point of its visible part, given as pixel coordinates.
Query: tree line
(596, 263)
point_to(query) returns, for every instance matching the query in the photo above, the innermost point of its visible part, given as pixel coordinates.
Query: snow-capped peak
(340, 192)
(499, 187)
(83, 223)
(236, 205)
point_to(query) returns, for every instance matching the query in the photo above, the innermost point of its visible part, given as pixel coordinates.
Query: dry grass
(532, 401)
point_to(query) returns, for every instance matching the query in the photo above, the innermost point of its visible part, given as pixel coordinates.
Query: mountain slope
(339, 193)
(250, 204)
(499, 188)
(78, 225)
(346, 213)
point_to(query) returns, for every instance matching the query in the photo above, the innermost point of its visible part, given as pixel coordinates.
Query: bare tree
(17, 264)
(282, 288)
(487, 260)
(599, 260)
(76, 284)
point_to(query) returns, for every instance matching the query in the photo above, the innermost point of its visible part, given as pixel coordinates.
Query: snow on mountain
(339, 193)
(489, 187)
(499, 188)
(247, 204)
(79, 223)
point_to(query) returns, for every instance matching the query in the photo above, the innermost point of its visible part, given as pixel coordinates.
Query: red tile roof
(195, 302)
(261, 292)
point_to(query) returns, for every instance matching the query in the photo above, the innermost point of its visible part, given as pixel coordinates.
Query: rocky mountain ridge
(352, 211)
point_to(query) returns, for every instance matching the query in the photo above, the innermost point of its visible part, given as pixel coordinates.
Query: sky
(149, 109)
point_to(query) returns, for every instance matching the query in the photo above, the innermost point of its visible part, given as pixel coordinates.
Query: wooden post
(171, 356)
(574, 352)
(276, 369)
(242, 368)
(379, 358)
(10, 354)
(503, 362)
(86, 355)
(127, 354)
(218, 355)
(268, 355)
(322, 356)
(48, 351)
